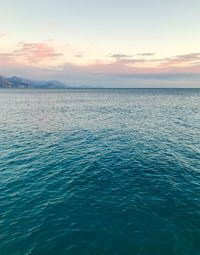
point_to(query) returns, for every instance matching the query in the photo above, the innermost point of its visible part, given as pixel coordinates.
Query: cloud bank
(45, 60)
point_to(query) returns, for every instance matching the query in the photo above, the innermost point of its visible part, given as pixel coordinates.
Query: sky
(107, 43)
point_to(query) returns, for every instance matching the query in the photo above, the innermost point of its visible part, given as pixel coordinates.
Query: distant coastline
(21, 83)
(14, 82)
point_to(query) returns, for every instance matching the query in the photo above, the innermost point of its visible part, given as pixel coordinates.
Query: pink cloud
(106, 74)
(36, 52)
(37, 60)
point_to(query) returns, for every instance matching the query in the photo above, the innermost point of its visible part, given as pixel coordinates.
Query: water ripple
(100, 172)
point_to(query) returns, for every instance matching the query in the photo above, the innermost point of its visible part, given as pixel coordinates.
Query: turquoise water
(100, 172)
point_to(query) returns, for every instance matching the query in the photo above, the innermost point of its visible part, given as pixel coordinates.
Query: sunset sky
(122, 43)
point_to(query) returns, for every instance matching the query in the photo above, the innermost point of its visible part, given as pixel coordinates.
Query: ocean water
(100, 172)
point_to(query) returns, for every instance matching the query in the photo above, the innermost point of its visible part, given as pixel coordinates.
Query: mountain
(18, 82)
(4, 83)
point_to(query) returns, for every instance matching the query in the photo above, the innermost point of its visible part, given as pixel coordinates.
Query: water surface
(100, 172)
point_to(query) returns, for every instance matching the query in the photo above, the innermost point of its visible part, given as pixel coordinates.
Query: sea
(100, 172)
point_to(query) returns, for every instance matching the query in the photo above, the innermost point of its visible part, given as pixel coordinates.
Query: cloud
(107, 75)
(191, 56)
(186, 59)
(147, 54)
(178, 60)
(31, 53)
(43, 60)
(3, 35)
(120, 55)
(126, 59)
(132, 61)
(164, 76)
(5, 59)
(36, 52)
(6, 54)
(78, 55)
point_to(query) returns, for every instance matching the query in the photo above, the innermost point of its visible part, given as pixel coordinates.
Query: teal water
(100, 172)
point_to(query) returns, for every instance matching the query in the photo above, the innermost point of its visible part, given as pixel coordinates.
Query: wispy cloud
(49, 60)
(126, 59)
(108, 75)
(78, 55)
(190, 58)
(143, 60)
(36, 52)
(31, 53)
(3, 35)
(120, 55)
(146, 54)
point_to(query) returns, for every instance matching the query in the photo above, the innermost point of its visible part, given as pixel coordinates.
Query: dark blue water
(100, 172)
